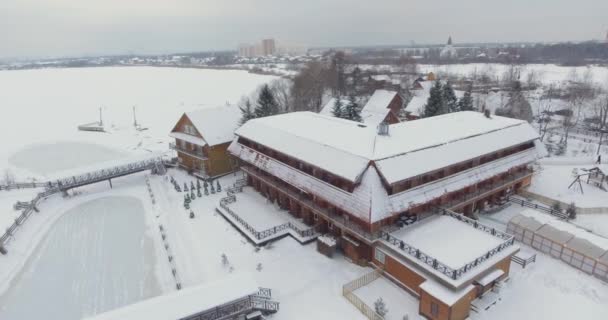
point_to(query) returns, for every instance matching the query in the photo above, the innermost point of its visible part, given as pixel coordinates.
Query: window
(331, 226)
(189, 129)
(316, 217)
(379, 256)
(434, 309)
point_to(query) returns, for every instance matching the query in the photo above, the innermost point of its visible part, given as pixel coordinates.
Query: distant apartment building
(266, 47)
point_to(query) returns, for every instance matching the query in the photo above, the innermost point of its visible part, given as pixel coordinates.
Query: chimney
(383, 129)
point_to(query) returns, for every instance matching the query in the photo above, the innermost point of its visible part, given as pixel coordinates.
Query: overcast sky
(37, 28)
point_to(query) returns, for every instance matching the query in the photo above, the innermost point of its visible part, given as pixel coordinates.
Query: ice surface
(95, 258)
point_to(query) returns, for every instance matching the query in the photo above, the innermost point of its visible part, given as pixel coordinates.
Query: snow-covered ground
(398, 302)
(306, 283)
(545, 73)
(553, 180)
(42, 108)
(546, 289)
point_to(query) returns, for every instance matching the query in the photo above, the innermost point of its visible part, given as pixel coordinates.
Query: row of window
(433, 176)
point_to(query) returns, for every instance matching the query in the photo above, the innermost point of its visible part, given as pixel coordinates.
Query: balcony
(338, 220)
(484, 191)
(193, 153)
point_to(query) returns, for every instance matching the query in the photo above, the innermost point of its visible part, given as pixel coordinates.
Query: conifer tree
(267, 104)
(449, 99)
(352, 111)
(434, 104)
(466, 102)
(337, 108)
(247, 112)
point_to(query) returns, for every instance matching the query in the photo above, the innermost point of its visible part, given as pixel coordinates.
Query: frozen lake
(63, 155)
(41, 107)
(96, 257)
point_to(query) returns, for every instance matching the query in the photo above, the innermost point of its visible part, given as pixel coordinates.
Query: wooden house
(202, 138)
(359, 183)
(382, 106)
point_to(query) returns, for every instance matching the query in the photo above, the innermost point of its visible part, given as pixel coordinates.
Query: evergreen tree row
(443, 100)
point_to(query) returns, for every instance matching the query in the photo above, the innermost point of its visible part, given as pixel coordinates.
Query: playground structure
(596, 176)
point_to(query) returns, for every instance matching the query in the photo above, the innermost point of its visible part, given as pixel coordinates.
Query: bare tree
(600, 110)
(308, 88)
(281, 88)
(545, 112)
(573, 114)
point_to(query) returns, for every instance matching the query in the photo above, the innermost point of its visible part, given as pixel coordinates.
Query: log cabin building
(202, 138)
(390, 193)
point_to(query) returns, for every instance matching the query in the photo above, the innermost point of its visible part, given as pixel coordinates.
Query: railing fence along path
(260, 301)
(432, 262)
(524, 203)
(62, 185)
(259, 235)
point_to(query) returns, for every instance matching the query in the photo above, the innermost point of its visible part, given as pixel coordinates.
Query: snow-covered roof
(416, 104)
(336, 145)
(329, 106)
(458, 244)
(186, 302)
(379, 101)
(345, 148)
(216, 125)
(374, 118)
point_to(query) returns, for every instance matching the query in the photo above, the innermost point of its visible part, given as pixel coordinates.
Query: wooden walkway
(155, 164)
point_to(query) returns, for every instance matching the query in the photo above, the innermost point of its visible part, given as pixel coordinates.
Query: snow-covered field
(41, 110)
(545, 73)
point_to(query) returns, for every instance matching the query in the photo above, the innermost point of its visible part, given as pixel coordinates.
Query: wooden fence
(348, 293)
(524, 203)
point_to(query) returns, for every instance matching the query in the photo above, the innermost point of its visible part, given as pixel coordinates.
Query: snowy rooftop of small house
(448, 240)
(416, 104)
(346, 147)
(216, 125)
(379, 101)
(186, 302)
(329, 106)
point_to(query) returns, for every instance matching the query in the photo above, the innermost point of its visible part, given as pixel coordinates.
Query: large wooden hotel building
(399, 196)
